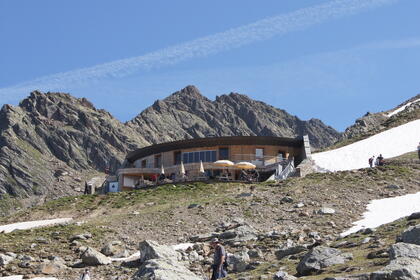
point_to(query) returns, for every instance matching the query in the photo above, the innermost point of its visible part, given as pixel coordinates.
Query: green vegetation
(7, 203)
(56, 238)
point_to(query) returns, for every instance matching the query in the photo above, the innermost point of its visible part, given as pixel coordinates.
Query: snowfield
(379, 213)
(20, 277)
(390, 143)
(33, 224)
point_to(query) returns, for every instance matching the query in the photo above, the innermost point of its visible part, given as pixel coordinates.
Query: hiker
(380, 160)
(86, 188)
(371, 159)
(218, 266)
(418, 150)
(85, 275)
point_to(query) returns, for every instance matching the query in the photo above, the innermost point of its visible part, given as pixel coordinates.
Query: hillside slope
(51, 142)
(281, 213)
(390, 143)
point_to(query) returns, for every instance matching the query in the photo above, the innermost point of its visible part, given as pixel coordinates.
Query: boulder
(281, 275)
(240, 234)
(51, 268)
(399, 269)
(92, 257)
(326, 211)
(411, 235)
(286, 199)
(161, 262)
(6, 258)
(112, 248)
(239, 261)
(289, 248)
(255, 253)
(164, 269)
(401, 250)
(152, 250)
(80, 237)
(321, 257)
(404, 264)
(414, 216)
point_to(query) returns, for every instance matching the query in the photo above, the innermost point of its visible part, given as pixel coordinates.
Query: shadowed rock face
(54, 133)
(48, 133)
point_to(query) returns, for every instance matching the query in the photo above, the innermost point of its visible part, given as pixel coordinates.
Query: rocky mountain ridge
(52, 142)
(372, 123)
(188, 114)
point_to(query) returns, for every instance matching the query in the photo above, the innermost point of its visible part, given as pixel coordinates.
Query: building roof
(213, 141)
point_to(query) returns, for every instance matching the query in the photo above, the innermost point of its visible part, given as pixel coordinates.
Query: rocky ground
(267, 227)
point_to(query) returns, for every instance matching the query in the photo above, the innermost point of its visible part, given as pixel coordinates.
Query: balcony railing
(261, 162)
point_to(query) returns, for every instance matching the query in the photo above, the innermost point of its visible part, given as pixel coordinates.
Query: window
(158, 161)
(196, 156)
(259, 153)
(205, 156)
(177, 157)
(143, 163)
(224, 153)
(281, 155)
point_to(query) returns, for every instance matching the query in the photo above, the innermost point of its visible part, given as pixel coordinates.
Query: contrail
(230, 39)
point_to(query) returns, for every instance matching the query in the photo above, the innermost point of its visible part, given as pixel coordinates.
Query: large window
(205, 156)
(177, 157)
(158, 161)
(224, 153)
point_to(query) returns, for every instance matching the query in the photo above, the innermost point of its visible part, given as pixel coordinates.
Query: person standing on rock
(85, 275)
(218, 269)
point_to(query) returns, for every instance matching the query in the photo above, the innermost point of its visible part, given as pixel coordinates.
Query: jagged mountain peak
(190, 92)
(188, 114)
(40, 102)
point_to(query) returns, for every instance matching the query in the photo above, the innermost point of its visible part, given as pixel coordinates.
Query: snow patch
(402, 108)
(379, 211)
(33, 224)
(133, 257)
(182, 246)
(390, 143)
(20, 277)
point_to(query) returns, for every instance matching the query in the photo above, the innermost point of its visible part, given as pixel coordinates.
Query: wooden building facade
(265, 152)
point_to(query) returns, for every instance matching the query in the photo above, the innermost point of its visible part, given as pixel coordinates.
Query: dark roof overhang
(214, 141)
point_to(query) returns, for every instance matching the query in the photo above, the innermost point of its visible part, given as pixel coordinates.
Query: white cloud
(219, 42)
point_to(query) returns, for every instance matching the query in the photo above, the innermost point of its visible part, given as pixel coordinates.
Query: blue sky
(332, 60)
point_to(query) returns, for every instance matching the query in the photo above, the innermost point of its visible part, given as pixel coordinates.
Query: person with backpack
(220, 260)
(85, 275)
(371, 161)
(381, 160)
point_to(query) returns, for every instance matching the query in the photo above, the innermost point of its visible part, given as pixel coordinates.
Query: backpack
(226, 262)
